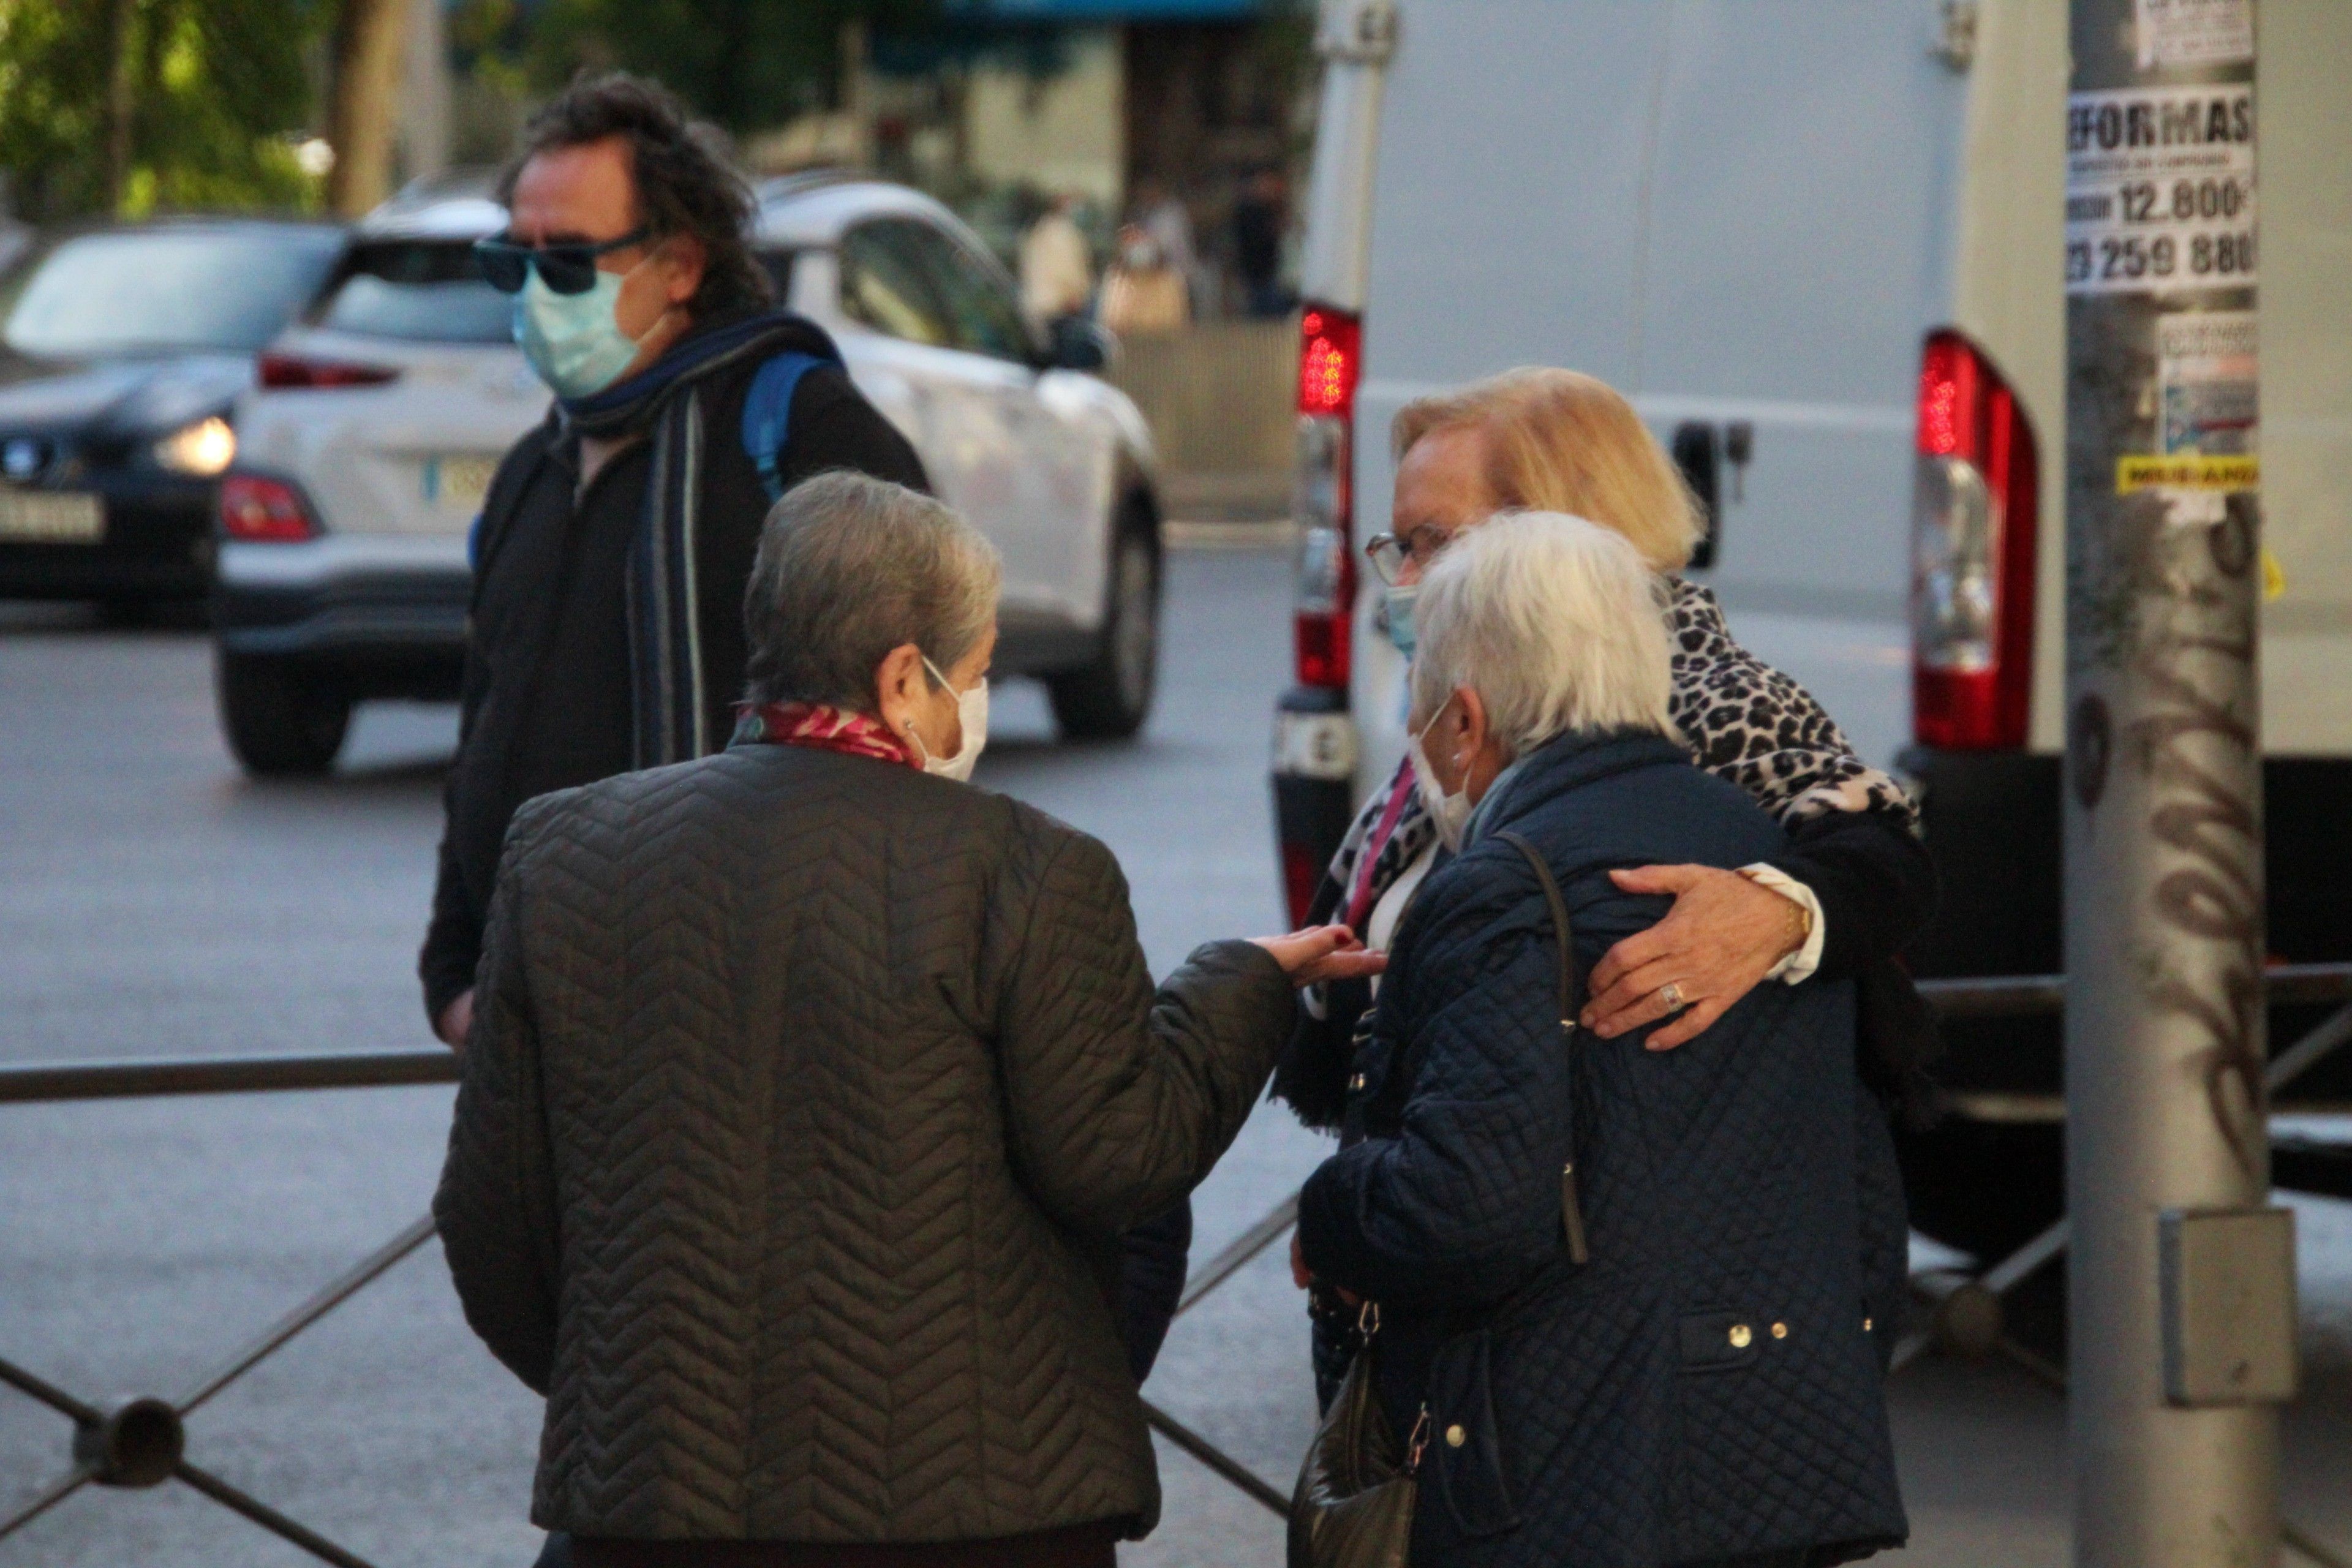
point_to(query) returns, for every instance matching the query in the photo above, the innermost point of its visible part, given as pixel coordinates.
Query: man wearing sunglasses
(610, 557)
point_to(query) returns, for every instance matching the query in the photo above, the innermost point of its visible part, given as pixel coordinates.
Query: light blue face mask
(572, 339)
(1399, 605)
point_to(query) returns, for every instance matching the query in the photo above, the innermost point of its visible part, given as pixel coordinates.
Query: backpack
(768, 413)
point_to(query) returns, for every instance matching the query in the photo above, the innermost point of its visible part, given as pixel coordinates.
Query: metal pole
(2181, 1304)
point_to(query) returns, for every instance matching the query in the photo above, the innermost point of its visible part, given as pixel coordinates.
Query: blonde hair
(1555, 622)
(1561, 441)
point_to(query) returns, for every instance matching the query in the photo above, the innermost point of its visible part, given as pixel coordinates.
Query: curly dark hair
(685, 181)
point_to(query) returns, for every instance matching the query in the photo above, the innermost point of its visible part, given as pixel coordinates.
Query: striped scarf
(670, 694)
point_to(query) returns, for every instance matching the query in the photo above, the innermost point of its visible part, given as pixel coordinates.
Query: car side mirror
(1074, 343)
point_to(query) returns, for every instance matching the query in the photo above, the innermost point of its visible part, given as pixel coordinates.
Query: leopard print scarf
(1745, 722)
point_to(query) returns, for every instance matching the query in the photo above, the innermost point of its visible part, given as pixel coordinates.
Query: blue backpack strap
(768, 414)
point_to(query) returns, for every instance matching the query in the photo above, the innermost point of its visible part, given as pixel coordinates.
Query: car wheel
(280, 723)
(1109, 698)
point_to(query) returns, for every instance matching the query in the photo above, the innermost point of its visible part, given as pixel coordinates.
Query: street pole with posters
(2181, 1284)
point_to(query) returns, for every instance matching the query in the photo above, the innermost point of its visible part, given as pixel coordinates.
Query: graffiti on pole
(2201, 755)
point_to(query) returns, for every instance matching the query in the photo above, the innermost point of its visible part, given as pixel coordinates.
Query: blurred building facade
(1172, 110)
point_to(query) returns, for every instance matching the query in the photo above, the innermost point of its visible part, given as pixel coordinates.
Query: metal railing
(142, 1442)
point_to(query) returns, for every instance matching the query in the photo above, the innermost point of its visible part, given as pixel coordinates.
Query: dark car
(121, 350)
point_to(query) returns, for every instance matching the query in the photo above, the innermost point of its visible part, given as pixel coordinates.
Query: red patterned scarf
(825, 728)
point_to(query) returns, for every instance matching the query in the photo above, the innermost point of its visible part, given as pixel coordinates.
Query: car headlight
(203, 449)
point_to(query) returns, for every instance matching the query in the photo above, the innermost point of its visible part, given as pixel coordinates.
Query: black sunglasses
(567, 268)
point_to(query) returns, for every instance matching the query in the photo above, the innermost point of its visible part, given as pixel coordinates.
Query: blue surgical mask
(1399, 602)
(573, 339)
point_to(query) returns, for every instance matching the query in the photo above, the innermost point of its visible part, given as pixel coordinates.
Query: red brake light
(1974, 505)
(1330, 358)
(1331, 354)
(280, 370)
(263, 510)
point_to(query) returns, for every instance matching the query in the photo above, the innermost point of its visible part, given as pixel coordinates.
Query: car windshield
(163, 290)
(428, 291)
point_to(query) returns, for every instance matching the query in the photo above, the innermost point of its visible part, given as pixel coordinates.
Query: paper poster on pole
(2207, 383)
(2160, 189)
(2193, 32)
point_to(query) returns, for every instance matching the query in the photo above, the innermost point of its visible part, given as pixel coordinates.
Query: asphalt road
(151, 901)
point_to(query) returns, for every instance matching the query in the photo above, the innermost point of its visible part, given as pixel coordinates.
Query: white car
(366, 448)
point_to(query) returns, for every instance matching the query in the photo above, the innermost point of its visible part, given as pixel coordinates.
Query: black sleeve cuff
(452, 952)
(1875, 881)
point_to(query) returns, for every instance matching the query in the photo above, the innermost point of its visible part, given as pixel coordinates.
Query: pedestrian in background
(1057, 266)
(1142, 295)
(1836, 900)
(1161, 213)
(811, 1091)
(1261, 219)
(1663, 1357)
(606, 628)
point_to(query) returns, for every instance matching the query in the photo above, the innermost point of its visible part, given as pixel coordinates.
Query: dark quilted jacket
(1708, 1384)
(807, 1098)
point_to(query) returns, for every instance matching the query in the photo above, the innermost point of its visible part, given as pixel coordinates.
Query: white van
(1782, 229)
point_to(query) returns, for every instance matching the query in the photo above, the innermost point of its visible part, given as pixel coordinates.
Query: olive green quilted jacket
(806, 1097)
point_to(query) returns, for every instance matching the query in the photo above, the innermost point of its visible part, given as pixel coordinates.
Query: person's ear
(1472, 725)
(900, 688)
(683, 260)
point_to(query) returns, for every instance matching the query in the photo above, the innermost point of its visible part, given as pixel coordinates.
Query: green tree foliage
(747, 64)
(214, 91)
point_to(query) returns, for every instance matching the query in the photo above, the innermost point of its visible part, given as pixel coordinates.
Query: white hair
(1555, 622)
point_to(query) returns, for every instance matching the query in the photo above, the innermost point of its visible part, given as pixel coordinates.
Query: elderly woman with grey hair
(1614, 1296)
(810, 1090)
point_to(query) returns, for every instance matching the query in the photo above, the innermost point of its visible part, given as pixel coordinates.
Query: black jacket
(808, 1098)
(1709, 1385)
(547, 698)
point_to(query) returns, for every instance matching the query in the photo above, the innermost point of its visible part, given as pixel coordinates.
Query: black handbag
(1353, 1505)
(1357, 1489)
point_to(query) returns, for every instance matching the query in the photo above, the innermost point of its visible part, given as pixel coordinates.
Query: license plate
(457, 483)
(51, 517)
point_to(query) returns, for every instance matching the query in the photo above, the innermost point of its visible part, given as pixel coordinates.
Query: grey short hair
(850, 567)
(1555, 622)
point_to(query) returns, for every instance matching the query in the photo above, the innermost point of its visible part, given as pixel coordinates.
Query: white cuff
(1800, 964)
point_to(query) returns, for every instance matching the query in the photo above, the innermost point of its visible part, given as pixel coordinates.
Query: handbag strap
(1571, 1208)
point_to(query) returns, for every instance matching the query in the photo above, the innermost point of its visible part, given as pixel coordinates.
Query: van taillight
(1330, 358)
(1972, 548)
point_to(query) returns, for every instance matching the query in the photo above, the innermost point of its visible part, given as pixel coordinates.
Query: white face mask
(972, 710)
(1450, 812)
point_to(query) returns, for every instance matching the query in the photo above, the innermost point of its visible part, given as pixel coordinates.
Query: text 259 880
(2219, 257)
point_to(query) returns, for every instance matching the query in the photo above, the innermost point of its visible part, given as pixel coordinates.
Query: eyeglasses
(1388, 552)
(565, 269)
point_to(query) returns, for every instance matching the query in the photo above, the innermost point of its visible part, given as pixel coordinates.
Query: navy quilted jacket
(1709, 1385)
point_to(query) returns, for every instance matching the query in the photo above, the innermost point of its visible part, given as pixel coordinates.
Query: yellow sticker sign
(2187, 471)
